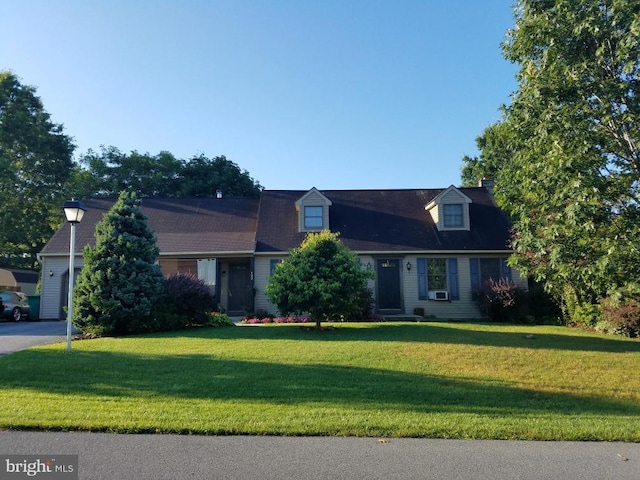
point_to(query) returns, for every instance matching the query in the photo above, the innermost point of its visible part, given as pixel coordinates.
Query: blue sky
(336, 94)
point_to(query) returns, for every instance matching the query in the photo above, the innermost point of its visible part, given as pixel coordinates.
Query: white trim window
(453, 215)
(313, 217)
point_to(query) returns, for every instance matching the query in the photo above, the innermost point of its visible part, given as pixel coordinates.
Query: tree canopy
(565, 155)
(321, 277)
(110, 171)
(35, 162)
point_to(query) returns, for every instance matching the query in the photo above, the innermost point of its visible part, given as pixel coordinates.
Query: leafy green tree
(35, 164)
(202, 177)
(148, 175)
(120, 281)
(567, 149)
(321, 277)
(495, 148)
(110, 171)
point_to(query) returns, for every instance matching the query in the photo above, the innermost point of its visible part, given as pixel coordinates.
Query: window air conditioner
(438, 295)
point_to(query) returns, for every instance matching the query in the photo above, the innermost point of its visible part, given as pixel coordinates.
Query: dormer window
(449, 210)
(313, 217)
(453, 215)
(313, 211)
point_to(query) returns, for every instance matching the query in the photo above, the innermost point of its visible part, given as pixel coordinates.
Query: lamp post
(73, 211)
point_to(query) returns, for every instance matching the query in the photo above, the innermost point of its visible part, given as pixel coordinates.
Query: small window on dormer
(453, 215)
(312, 217)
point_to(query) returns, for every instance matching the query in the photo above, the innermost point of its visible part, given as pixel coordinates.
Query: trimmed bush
(502, 301)
(217, 319)
(189, 297)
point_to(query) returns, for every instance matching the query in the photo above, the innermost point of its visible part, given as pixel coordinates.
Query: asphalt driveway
(15, 336)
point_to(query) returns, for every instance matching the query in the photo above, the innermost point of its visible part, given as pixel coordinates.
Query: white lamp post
(74, 211)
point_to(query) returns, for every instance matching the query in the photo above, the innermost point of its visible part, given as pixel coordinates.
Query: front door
(240, 289)
(389, 296)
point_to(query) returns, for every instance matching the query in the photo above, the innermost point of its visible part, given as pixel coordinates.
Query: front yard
(445, 380)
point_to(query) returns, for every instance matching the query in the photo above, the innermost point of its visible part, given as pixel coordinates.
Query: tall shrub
(189, 298)
(120, 280)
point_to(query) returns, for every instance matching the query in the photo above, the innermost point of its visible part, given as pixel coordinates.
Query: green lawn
(445, 380)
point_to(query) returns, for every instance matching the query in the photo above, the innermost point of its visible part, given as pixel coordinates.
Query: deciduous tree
(321, 277)
(35, 164)
(202, 177)
(112, 171)
(568, 164)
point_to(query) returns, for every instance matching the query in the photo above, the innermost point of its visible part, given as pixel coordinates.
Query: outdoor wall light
(51, 273)
(408, 266)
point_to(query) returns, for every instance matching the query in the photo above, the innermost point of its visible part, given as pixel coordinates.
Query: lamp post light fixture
(73, 211)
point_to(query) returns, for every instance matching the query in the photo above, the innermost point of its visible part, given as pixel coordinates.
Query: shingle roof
(181, 224)
(368, 221)
(383, 221)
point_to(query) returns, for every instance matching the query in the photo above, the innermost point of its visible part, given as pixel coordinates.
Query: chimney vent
(487, 183)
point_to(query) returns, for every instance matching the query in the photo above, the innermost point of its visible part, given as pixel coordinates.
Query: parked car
(15, 305)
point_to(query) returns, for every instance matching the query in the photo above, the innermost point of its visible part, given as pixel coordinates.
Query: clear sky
(336, 94)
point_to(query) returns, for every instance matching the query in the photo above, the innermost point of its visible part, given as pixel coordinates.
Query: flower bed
(291, 319)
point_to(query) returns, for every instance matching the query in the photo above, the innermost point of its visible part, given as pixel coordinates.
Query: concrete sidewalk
(175, 457)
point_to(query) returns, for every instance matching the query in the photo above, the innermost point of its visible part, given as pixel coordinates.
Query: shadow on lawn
(125, 375)
(531, 337)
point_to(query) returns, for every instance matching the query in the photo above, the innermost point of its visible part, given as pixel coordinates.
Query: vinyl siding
(463, 308)
(452, 196)
(50, 301)
(262, 272)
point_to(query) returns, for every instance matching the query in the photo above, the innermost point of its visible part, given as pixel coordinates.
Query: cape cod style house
(428, 248)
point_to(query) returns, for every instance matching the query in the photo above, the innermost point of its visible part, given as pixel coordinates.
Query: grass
(440, 380)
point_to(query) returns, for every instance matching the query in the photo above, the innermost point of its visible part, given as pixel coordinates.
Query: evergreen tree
(120, 281)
